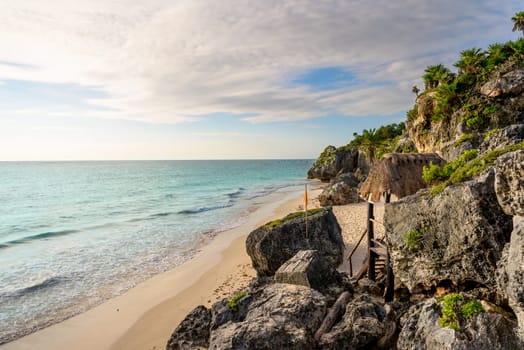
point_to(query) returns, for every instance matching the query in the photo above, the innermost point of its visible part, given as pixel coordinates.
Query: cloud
(169, 62)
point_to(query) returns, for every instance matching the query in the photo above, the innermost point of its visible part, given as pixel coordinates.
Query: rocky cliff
(473, 117)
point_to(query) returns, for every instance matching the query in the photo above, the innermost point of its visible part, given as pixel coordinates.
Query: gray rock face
(269, 248)
(509, 83)
(193, 332)
(306, 268)
(342, 190)
(360, 328)
(511, 276)
(281, 316)
(461, 233)
(509, 182)
(509, 135)
(421, 331)
(334, 161)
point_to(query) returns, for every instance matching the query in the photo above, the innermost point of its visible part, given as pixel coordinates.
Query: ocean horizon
(76, 233)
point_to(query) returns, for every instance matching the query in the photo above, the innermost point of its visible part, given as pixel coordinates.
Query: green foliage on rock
(455, 309)
(291, 216)
(464, 138)
(233, 302)
(450, 311)
(470, 308)
(464, 168)
(413, 238)
(434, 173)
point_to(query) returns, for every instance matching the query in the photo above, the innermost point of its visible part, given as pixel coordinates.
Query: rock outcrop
(270, 247)
(306, 268)
(342, 190)
(279, 316)
(421, 331)
(334, 161)
(511, 274)
(360, 328)
(454, 238)
(509, 135)
(193, 332)
(509, 182)
(511, 83)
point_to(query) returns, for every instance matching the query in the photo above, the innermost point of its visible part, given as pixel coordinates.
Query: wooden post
(371, 254)
(390, 280)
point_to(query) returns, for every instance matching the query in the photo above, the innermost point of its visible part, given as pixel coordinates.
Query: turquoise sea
(73, 234)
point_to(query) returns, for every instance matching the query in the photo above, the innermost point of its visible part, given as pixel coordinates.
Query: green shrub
(413, 238)
(450, 311)
(291, 216)
(455, 309)
(233, 302)
(470, 308)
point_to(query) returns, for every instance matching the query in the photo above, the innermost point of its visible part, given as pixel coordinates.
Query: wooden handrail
(353, 252)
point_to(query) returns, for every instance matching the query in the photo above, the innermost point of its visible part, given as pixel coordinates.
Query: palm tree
(497, 54)
(470, 60)
(518, 21)
(517, 47)
(435, 75)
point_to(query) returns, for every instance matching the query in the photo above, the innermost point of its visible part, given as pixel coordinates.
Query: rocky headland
(455, 247)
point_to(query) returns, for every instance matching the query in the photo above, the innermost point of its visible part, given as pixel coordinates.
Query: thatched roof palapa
(399, 174)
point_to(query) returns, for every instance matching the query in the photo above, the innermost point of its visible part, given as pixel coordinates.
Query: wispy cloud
(169, 62)
(226, 134)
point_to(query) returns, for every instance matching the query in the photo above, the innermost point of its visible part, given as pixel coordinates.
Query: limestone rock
(421, 331)
(511, 278)
(405, 145)
(269, 248)
(334, 161)
(360, 328)
(461, 234)
(509, 182)
(193, 332)
(509, 135)
(509, 83)
(342, 190)
(280, 316)
(306, 268)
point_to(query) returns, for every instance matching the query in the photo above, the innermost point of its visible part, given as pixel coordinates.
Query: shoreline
(145, 316)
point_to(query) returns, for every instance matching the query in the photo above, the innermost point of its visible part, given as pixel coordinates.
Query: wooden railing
(375, 249)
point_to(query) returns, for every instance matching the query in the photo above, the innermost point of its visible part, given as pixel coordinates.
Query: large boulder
(334, 161)
(510, 83)
(306, 268)
(342, 190)
(456, 237)
(360, 328)
(273, 244)
(193, 332)
(421, 331)
(279, 316)
(511, 274)
(509, 182)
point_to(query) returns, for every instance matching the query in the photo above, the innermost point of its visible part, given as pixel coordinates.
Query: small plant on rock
(450, 310)
(233, 302)
(470, 308)
(454, 309)
(413, 238)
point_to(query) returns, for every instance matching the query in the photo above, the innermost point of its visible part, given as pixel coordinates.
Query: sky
(228, 79)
